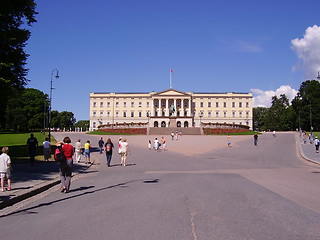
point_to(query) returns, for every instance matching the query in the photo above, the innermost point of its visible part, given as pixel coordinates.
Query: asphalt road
(243, 192)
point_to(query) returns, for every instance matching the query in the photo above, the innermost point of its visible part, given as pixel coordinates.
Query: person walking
(87, 148)
(108, 148)
(149, 145)
(156, 144)
(229, 141)
(119, 147)
(124, 146)
(101, 144)
(46, 150)
(77, 151)
(163, 142)
(172, 135)
(32, 144)
(255, 139)
(5, 168)
(317, 143)
(65, 166)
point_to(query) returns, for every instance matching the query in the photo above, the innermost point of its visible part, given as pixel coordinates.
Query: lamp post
(50, 100)
(318, 76)
(200, 115)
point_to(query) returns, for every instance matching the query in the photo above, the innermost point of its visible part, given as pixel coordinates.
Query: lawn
(17, 143)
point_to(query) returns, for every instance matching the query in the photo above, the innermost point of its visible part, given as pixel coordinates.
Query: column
(159, 107)
(175, 106)
(151, 114)
(167, 108)
(189, 108)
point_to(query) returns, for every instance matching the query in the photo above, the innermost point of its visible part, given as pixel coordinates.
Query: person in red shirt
(66, 168)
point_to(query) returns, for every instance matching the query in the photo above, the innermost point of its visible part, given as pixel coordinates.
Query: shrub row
(208, 131)
(127, 131)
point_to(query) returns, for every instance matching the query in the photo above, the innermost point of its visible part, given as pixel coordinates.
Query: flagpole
(170, 78)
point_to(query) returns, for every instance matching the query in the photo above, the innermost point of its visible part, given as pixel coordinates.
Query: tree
(63, 120)
(26, 110)
(84, 124)
(306, 105)
(14, 14)
(258, 112)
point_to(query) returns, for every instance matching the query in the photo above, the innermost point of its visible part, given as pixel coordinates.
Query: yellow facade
(170, 108)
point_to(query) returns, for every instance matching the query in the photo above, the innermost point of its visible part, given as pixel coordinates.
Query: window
(108, 114)
(140, 104)
(101, 114)
(132, 104)
(148, 104)
(125, 104)
(209, 114)
(140, 114)
(247, 104)
(217, 114)
(247, 114)
(233, 104)
(163, 103)
(209, 104)
(124, 114)
(233, 114)
(224, 104)
(94, 114)
(193, 104)
(101, 104)
(224, 114)
(117, 104)
(108, 104)
(240, 104)
(132, 114)
(201, 104)
(217, 104)
(94, 104)
(117, 114)
(94, 124)
(240, 114)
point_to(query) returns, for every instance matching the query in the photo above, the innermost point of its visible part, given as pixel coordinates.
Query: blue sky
(131, 45)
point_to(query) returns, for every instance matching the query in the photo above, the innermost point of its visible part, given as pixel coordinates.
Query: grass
(17, 143)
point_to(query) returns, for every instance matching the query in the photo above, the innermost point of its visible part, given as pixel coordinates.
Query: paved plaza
(197, 189)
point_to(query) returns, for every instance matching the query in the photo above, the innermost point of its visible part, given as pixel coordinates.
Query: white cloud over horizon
(307, 50)
(263, 98)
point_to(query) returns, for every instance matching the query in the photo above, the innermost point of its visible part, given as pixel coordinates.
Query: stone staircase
(169, 130)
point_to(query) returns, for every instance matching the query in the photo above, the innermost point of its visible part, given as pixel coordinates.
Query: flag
(171, 70)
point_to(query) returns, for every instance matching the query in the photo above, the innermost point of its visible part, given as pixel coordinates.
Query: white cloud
(307, 50)
(263, 98)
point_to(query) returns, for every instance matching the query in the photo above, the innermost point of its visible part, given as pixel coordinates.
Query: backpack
(108, 147)
(60, 157)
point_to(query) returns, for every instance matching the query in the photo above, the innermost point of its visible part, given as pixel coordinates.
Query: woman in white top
(124, 148)
(46, 149)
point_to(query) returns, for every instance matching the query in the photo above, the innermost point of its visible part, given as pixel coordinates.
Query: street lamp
(200, 115)
(318, 76)
(50, 100)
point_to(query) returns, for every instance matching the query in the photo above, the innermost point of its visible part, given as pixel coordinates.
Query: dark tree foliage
(84, 124)
(62, 120)
(27, 110)
(306, 106)
(15, 16)
(258, 112)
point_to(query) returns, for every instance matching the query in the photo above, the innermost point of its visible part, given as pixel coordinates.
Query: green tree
(62, 120)
(279, 116)
(26, 110)
(15, 16)
(306, 105)
(84, 124)
(258, 112)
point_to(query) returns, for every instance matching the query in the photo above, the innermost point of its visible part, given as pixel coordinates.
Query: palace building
(170, 108)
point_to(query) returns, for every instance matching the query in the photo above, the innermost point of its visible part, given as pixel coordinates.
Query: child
(5, 168)
(149, 144)
(228, 141)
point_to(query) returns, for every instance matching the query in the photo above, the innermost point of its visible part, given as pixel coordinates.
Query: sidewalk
(307, 150)
(28, 180)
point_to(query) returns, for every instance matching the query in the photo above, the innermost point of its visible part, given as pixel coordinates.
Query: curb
(302, 153)
(41, 187)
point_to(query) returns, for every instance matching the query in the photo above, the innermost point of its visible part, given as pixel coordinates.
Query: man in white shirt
(77, 152)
